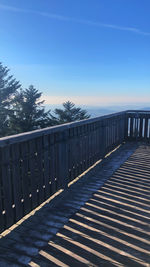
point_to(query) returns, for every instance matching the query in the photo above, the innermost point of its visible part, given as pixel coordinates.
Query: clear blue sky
(93, 52)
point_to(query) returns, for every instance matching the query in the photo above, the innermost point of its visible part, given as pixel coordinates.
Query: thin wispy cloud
(80, 21)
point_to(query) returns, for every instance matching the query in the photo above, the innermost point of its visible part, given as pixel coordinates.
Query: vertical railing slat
(16, 181)
(131, 127)
(146, 127)
(24, 154)
(126, 126)
(33, 173)
(52, 164)
(141, 127)
(7, 187)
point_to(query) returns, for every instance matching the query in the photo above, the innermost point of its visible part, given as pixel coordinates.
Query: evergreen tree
(69, 113)
(8, 88)
(29, 114)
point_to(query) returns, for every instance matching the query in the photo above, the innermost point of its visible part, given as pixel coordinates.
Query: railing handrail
(12, 139)
(58, 128)
(139, 111)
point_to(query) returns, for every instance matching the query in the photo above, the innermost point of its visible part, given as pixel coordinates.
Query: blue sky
(93, 52)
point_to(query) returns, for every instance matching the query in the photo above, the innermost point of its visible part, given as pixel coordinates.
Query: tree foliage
(29, 114)
(22, 110)
(8, 88)
(69, 113)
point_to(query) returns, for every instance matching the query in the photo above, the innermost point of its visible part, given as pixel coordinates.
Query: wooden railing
(138, 123)
(35, 165)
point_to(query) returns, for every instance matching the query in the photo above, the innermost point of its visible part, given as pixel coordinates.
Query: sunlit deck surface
(101, 220)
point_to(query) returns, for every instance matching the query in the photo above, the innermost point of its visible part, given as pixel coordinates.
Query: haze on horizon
(92, 52)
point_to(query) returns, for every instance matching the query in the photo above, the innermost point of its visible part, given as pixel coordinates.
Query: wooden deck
(101, 220)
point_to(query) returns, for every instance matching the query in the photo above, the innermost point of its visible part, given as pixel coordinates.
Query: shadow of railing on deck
(112, 228)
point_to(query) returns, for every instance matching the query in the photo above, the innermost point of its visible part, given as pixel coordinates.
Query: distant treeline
(22, 110)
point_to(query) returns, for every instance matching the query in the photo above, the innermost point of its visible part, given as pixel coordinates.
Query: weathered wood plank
(52, 164)
(103, 138)
(16, 181)
(26, 185)
(141, 128)
(46, 166)
(146, 128)
(63, 160)
(39, 169)
(33, 173)
(7, 187)
(131, 127)
(126, 126)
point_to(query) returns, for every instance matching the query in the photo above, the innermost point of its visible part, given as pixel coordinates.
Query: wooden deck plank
(101, 220)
